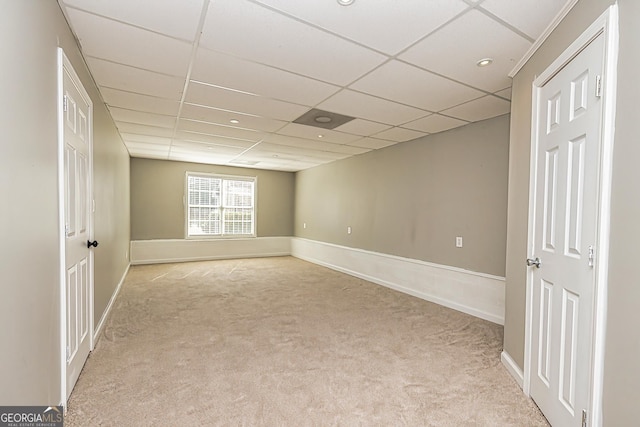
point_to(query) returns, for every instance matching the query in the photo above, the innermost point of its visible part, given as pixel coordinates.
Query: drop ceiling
(222, 81)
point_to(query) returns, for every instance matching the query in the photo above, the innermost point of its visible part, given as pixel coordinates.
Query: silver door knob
(532, 262)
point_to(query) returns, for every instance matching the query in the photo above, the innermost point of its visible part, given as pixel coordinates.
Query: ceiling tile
(312, 144)
(310, 132)
(176, 19)
(480, 109)
(362, 127)
(435, 123)
(130, 45)
(204, 156)
(368, 107)
(132, 116)
(147, 139)
(220, 130)
(505, 93)
(216, 97)
(224, 70)
(135, 101)
(373, 143)
(399, 134)
(182, 146)
(202, 138)
(362, 21)
(472, 36)
(529, 16)
(122, 77)
(416, 87)
(232, 27)
(135, 128)
(213, 115)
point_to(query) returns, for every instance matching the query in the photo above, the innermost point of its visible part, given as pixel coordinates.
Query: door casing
(606, 24)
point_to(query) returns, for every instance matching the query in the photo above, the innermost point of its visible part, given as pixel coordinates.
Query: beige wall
(30, 33)
(414, 198)
(622, 372)
(157, 191)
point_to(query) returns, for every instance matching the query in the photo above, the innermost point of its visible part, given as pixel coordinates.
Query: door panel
(568, 146)
(78, 259)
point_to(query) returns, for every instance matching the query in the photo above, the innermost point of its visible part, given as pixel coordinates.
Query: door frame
(64, 65)
(607, 25)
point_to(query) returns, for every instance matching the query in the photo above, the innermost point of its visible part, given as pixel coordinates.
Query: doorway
(568, 227)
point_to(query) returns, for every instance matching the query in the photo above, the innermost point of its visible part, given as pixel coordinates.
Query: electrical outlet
(348, 230)
(459, 242)
(304, 225)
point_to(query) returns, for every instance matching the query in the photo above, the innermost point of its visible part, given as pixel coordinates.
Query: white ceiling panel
(130, 45)
(136, 128)
(176, 19)
(416, 87)
(266, 151)
(213, 115)
(132, 116)
(199, 156)
(480, 109)
(364, 20)
(399, 134)
(220, 130)
(373, 143)
(135, 101)
(368, 107)
(135, 80)
(283, 42)
(315, 145)
(362, 127)
(310, 132)
(202, 138)
(435, 123)
(148, 139)
(182, 146)
(228, 71)
(529, 16)
(472, 37)
(505, 93)
(216, 97)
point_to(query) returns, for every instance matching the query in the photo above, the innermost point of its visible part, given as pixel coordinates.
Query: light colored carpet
(283, 342)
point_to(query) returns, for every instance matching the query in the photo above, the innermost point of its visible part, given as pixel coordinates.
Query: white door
(569, 118)
(77, 221)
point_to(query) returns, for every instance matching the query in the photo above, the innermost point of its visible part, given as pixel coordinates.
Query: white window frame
(223, 235)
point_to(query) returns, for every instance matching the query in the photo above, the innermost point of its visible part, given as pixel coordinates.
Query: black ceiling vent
(322, 119)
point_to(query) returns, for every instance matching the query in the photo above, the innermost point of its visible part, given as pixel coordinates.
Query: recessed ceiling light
(484, 62)
(345, 2)
(321, 136)
(323, 119)
(275, 156)
(234, 121)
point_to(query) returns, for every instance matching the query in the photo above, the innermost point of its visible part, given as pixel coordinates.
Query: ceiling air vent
(322, 119)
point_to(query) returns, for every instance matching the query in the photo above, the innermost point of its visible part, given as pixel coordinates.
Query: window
(219, 206)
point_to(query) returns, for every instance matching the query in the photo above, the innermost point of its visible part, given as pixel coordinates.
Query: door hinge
(68, 351)
(598, 86)
(592, 256)
(584, 418)
(65, 103)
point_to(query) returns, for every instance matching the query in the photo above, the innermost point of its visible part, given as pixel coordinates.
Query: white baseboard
(478, 294)
(181, 250)
(512, 368)
(105, 315)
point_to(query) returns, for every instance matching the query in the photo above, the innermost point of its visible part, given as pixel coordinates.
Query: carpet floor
(283, 342)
